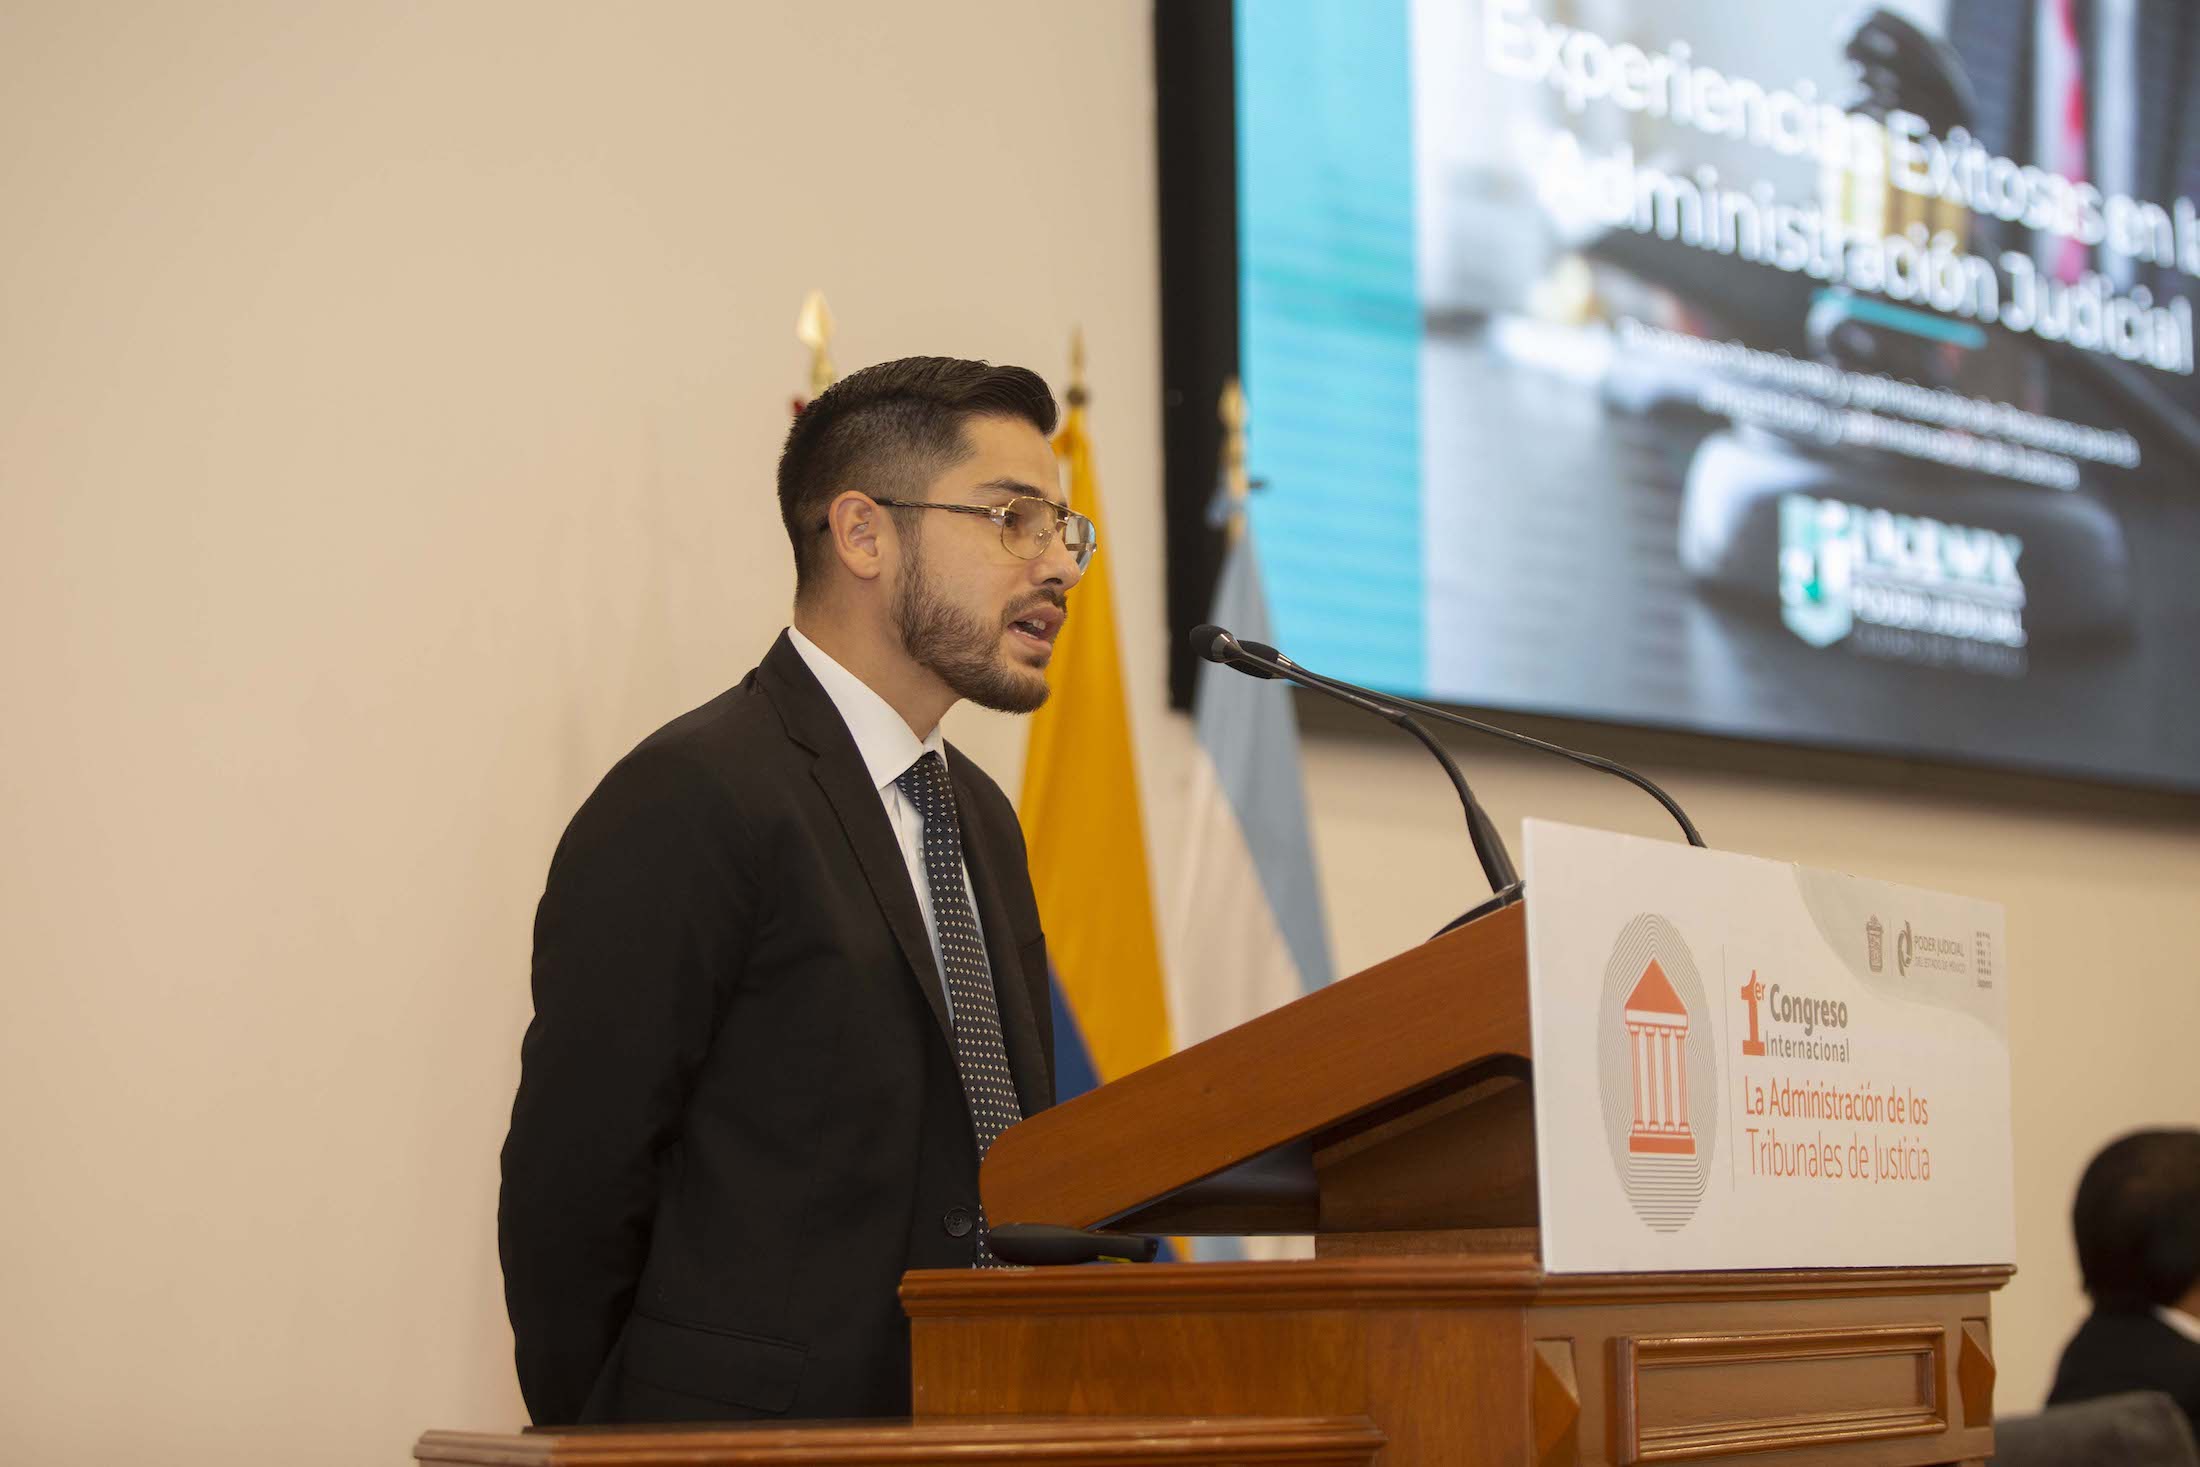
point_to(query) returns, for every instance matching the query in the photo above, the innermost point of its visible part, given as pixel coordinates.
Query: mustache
(1059, 600)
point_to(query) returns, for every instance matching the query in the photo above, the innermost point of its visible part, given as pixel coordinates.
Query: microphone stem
(1497, 866)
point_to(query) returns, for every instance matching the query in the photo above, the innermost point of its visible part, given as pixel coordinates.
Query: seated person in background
(2137, 1219)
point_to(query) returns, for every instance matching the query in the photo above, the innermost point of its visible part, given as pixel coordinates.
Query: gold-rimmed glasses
(1028, 524)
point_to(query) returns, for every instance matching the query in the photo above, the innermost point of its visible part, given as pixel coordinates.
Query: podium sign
(1747, 1064)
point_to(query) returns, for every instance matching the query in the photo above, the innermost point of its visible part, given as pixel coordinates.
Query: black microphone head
(1217, 645)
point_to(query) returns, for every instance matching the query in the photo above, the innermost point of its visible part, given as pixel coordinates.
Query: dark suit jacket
(739, 1119)
(2119, 1350)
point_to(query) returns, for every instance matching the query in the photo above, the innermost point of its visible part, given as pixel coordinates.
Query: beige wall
(388, 399)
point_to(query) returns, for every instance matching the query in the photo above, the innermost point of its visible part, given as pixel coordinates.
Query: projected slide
(1810, 372)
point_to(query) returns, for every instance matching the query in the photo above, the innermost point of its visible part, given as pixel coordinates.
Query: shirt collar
(882, 736)
(2179, 1321)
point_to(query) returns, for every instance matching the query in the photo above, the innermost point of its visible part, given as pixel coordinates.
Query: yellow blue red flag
(1082, 822)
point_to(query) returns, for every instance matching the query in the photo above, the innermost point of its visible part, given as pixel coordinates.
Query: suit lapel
(812, 721)
(1027, 1059)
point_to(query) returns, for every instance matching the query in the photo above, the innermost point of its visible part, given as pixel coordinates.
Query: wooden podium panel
(1480, 1357)
(1398, 1039)
(1084, 1442)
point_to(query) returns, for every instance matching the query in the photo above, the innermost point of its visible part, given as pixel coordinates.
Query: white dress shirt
(2179, 1321)
(888, 748)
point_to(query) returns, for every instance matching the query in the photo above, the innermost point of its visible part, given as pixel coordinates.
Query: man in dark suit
(2137, 1218)
(789, 979)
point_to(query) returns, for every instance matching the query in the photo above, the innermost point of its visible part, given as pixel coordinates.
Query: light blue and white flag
(1246, 933)
(1247, 925)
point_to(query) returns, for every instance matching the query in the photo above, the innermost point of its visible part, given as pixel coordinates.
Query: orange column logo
(1752, 992)
(1657, 1039)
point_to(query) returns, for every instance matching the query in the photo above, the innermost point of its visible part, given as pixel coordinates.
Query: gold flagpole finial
(814, 329)
(1234, 414)
(1079, 394)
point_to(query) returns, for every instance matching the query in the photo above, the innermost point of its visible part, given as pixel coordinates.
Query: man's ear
(859, 533)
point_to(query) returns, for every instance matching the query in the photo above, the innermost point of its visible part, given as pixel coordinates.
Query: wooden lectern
(1389, 1115)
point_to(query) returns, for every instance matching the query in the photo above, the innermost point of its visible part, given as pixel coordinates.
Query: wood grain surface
(1402, 1026)
(1085, 1441)
(1480, 1357)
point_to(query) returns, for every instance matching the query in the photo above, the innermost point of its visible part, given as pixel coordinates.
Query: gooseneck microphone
(1285, 667)
(1256, 659)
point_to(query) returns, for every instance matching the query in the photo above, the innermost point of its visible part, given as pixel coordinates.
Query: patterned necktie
(979, 1051)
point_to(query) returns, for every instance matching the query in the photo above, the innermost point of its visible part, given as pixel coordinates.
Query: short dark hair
(2137, 1219)
(893, 427)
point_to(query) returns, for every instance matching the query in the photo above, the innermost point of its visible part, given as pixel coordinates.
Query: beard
(961, 649)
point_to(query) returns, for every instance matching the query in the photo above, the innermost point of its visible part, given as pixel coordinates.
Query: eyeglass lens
(1028, 525)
